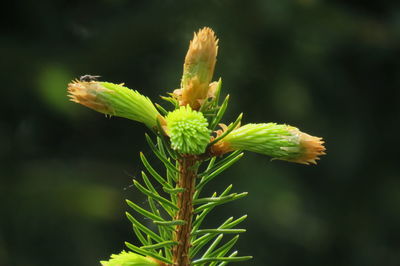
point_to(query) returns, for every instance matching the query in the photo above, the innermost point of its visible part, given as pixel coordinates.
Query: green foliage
(207, 245)
(271, 139)
(128, 259)
(183, 144)
(188, 130)
(129, 104)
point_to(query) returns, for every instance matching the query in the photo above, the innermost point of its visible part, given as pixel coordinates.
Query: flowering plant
(184, 139)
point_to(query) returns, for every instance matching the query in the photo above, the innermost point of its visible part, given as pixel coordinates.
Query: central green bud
(188, 130)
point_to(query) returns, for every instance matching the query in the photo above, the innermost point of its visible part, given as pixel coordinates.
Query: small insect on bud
(113, 99)
(88, 78)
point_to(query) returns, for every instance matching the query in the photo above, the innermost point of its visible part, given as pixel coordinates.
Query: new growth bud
(198, 69)
(188, 130)
(131, 259)
(113, 99)
(311, 148)
(278, 141)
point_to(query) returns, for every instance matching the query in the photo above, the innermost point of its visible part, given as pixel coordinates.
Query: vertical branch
(187, 180)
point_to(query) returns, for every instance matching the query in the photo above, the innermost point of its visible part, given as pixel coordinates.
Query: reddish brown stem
(187, 180)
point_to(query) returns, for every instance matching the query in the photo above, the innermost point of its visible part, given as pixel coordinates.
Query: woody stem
(187, 180)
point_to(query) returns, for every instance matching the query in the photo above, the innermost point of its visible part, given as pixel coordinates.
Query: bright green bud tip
(114, 99)
(129, 259)
(278, 141)
(269, 139)
(188, 130)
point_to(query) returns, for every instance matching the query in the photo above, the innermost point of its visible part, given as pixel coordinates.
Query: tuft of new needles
(194, 147)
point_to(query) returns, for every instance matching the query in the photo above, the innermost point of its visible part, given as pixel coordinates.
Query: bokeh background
(330, 68)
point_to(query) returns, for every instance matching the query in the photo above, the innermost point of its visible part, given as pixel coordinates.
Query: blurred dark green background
(330, 68)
